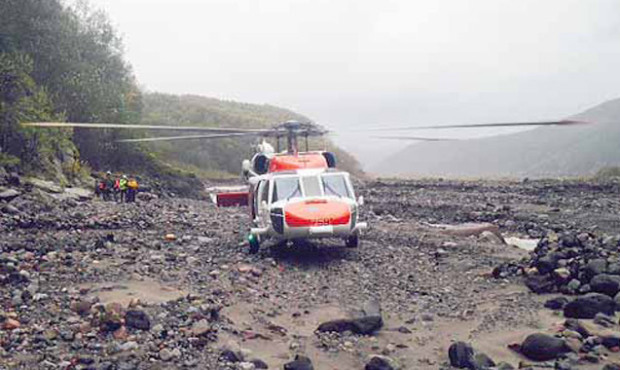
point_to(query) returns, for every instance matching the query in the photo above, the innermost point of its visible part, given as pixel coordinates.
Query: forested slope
(61, 63)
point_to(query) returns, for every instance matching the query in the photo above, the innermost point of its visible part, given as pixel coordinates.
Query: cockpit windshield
(312, 186)
(335, 185)
(290, 187)
(286, 188)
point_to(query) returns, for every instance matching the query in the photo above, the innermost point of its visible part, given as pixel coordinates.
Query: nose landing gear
(254, 243)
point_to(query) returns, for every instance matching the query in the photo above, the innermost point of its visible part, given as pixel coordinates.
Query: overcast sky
(349, 63)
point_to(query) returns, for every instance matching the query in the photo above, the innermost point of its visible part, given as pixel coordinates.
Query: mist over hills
(542, 152)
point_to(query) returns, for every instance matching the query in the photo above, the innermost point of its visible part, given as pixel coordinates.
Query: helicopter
(292, 195)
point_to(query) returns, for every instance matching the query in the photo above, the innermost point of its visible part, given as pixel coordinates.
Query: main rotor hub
(292, 129)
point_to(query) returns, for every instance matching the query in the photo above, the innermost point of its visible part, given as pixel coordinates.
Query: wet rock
(9, 194)
(81, 307)
(246, 366)
(613, 268)
(168, 355)
(557, 303)
(604, 320)
(491, 237)
(504, 366)
(201, 328)
(546, 264)
(617, 301)
(562, 274)
(543, 347)
(606, 284)
(611, 341)
(10, 209)
(482, 362)
(300, 363)
(46, 186)
(461, 355)
(379, 363)
(540, 283)
(259, 364)
(586, 307)
(138, 320)
(111, 317)
(229, 355)
(13, 179)
(585, 288)
(507, 269)
(146, 197)
(573, 285)
(611, 242)
(570, 240)
(366, 321)
(10, 324)
(79, 194)
(595, 267)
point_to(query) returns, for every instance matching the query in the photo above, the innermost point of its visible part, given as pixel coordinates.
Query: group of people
(120, 189)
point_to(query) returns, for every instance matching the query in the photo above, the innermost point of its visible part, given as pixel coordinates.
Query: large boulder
(138, 320)
(366, 321)
(617, 300)
(543, 347)
(379, 363)
(47, 186)
(79, 193)
(587, 306)
(595, 267)
(606, 284)
(300, 363)
(482, 362)
(546, 264)
(541, 283)
(461, 355)
(556, 303)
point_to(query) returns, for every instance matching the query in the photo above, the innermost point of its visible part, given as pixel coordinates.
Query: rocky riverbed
(168, 283)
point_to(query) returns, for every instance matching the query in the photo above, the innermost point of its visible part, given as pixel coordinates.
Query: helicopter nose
(317, 213)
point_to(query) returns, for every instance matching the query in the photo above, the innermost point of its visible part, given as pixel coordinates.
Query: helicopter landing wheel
(353, 241)
(254, 244)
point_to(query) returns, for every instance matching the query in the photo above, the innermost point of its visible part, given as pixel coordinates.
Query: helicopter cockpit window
(335, 185)
(286, 188)
(312, 187)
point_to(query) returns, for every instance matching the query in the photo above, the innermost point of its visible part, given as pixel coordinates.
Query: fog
(348, 64)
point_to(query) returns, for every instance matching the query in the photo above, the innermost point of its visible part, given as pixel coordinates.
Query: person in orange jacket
(132, 189)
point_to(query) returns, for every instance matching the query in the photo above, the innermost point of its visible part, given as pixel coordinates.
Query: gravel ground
(88, 284)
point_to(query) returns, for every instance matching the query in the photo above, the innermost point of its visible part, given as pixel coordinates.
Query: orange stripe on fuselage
(317, 213)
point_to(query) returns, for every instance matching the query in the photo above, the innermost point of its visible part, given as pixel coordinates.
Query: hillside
(61, 61)
(222, 157)
(542, 152)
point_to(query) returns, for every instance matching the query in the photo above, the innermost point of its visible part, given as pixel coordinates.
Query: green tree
(78, 58)
(21, 99)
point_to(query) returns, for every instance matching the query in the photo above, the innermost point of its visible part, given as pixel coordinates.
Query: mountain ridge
(542, 152)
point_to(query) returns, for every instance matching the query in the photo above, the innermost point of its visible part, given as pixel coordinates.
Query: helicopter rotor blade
(186, 137)
(414, 138)
(478, 125)
(144, 127)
